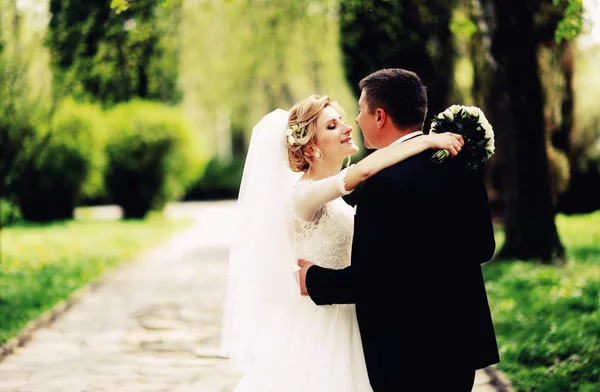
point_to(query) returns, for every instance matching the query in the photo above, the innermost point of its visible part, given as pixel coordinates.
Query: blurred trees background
(92, 90)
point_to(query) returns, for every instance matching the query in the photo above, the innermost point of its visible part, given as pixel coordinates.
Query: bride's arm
(391, 155)
(310, 197)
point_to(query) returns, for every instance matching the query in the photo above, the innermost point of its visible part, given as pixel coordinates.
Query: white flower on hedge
(291, 140)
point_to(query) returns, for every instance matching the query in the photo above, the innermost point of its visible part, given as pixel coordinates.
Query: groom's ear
(380, 117)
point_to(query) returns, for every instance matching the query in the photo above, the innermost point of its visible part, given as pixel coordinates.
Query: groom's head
(393, 103)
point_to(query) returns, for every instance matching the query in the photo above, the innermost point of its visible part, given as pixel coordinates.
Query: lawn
(547, 318)
(42, 264)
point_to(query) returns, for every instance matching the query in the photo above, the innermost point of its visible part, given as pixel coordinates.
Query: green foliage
(9, 213)
(52, 184)
(21, 140)
(43, 264)
(152, 156)
(113, 57)
(547, 319)
(414, 35)
(461, 25)
(572, 22)
(119, 5)
(25, 99)
(242, 59)
(219, 180)
(72, 118)
(123, 5)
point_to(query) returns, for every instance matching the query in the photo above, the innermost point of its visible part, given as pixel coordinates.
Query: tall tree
(514, 101)
(410, 34)
(112, 56)
(245, 58)
(25, 96)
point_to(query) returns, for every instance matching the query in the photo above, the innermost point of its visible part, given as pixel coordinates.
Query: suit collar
(408, 137)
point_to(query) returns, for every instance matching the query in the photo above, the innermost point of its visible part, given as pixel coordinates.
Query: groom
(421, 232)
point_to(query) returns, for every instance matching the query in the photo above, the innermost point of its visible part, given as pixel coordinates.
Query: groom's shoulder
(413, 167)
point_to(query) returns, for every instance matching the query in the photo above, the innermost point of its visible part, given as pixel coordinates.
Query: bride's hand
(447, 141)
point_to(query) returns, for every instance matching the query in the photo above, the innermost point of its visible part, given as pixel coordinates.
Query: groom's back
(432, 283)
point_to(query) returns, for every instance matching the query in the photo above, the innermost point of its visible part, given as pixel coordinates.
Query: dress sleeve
(310, 196)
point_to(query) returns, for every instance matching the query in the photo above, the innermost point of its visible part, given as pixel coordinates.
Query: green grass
(547, 318)
(42, 264)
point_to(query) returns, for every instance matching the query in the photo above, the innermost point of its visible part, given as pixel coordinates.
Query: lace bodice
(326, 240)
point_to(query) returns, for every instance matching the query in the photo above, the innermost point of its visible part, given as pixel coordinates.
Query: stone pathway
(153, 325)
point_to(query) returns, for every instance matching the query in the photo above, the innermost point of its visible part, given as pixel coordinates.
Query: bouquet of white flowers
(470, 122)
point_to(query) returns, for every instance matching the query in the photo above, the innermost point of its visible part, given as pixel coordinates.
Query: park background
(143, 103)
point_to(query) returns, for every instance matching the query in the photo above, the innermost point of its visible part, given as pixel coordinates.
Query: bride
(290, 206)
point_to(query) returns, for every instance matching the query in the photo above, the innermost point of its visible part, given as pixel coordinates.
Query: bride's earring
(318, 154)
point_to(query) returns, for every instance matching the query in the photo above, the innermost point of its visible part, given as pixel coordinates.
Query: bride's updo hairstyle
(301, 135)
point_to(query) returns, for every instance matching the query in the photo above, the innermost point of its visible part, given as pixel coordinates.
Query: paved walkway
(153, 325)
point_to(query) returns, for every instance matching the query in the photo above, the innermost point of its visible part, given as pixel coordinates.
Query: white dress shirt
(406, 137)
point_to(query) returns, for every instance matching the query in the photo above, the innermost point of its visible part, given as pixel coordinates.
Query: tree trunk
(529, 214)
(561, 139)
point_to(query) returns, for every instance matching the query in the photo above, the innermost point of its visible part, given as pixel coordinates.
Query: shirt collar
(406, 137)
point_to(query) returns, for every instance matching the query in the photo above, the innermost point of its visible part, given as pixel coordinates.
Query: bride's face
(334, 136)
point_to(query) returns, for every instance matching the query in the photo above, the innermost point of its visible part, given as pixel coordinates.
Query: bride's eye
(331, 126)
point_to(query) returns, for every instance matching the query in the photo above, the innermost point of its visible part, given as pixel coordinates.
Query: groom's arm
(487, 241)
(374, 235)
(478, 221)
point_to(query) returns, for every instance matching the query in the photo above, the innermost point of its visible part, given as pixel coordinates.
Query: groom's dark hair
(399, 92)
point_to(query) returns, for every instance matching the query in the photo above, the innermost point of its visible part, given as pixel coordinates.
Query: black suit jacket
(421, 232)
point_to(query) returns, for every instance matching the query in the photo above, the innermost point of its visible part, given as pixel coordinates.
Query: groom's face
(367, 122)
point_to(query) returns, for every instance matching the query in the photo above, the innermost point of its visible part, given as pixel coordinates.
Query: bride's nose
(348, 129)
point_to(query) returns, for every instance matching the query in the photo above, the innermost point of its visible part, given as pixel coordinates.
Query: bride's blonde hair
(304, 114)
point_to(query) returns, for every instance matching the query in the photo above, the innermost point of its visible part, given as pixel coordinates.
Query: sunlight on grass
(42, 264)
(547, 318)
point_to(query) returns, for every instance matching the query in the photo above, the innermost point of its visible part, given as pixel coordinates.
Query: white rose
(288, 132)
(491, 146)
(474, 111)
(448, 113)
(487, 127)
(455, 108)
(291, 140)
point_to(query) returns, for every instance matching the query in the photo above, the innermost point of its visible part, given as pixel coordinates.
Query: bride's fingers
(453, 149)
(458, 137)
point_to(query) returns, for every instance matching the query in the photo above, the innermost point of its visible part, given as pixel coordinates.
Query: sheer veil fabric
(262, 281)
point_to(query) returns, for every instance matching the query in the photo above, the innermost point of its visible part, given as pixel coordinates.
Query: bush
(152, 156)
(9, 213)
(219, 181)
(52, 184)
(20, 141)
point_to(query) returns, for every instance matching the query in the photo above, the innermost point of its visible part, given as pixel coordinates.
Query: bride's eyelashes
(333, 125)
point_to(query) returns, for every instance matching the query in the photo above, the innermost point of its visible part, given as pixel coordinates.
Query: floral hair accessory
(294, 133)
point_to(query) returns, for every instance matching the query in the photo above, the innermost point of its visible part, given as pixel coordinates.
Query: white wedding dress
(314, 348)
